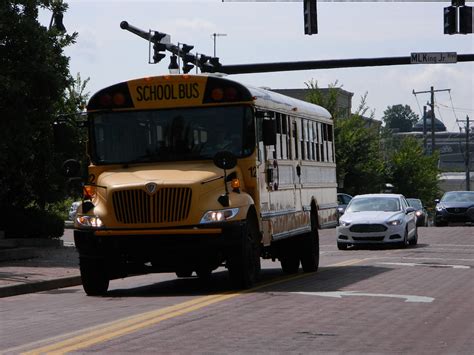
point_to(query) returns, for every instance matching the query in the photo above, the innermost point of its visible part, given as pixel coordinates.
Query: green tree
(413, 173)
(34, 75)
(360, 167)
(327, 100)
(399, 117)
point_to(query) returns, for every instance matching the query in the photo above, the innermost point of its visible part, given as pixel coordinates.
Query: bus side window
(278, 148)
(302, 137)
(284, 136)
(295, 137)
(331, 143)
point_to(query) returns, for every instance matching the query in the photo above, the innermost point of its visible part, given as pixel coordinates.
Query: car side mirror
(437, 200)
(409, 210)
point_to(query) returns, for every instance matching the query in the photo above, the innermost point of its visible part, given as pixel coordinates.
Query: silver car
(377, 219)
(73, 210)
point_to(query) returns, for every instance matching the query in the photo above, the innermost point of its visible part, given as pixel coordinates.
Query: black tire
(341, 246)
(244, 262)
(309, 251)
(414, 241)
(289, 255)
(204, 274)
(405, 241)
(94, 276)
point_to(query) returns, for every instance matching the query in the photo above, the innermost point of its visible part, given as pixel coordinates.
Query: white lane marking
(419, 258)
(430, 265)
(339, 294)
(452, 245)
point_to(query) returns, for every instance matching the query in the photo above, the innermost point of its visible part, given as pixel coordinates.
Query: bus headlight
(89, 222)
(219, 215)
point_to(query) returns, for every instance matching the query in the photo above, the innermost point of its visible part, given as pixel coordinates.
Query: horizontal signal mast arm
(324, 64)
(124, 25)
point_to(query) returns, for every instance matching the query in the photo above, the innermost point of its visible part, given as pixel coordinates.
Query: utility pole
(424, 129)
(468, 173)
(431, 91)
(467, 156)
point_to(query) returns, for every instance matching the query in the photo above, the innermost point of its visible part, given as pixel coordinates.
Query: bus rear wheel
(289, 255)
(309, 251)
(244, 262)
(95, 280)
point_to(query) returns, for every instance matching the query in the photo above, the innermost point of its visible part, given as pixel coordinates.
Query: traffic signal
(158, 47)
(187, 68)
(188, 58)
(450, 25)
(465, 19)
(310, 17)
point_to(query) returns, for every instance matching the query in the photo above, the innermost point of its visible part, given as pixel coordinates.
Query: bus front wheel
(244, 262)
(95, 280)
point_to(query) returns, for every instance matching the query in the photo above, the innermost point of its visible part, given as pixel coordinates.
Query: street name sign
(433, 57)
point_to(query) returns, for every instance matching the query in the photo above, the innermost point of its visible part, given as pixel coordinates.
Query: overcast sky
(260, 32)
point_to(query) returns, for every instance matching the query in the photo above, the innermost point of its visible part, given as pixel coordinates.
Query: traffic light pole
(324, 64)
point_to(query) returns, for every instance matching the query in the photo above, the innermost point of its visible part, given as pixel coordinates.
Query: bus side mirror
(269, 132)
(71, 168)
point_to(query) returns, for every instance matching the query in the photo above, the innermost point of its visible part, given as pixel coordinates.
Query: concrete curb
(20, 289)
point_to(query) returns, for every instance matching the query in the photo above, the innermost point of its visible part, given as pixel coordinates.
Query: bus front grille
(166, 205)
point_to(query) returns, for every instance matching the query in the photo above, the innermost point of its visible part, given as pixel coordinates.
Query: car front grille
(456, 210)
(368, 228)
(170, 204)
(368, 239)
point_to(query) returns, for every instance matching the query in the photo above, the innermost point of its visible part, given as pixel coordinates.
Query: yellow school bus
(192, 172)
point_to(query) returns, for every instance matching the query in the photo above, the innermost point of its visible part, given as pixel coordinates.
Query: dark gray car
(455, 207)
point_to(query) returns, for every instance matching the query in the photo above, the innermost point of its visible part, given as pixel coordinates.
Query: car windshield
(171, 135)
(415, 203)
(362, 204)
(458, 196)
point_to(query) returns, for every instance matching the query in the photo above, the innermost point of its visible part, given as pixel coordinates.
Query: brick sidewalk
(52, 267)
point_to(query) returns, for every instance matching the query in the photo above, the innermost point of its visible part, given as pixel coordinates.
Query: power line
(461, 109)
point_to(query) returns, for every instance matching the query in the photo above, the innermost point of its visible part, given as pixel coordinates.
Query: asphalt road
(417, 300)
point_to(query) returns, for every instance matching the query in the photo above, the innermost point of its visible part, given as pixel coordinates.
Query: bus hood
(186, 173)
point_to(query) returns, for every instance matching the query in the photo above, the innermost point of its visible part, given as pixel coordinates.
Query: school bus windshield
(171, 135)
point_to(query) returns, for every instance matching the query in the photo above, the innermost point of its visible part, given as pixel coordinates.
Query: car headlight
(395, 222)
(418, 213)
(219, 215)
(89, 222)
(344, 223)
(439, 208)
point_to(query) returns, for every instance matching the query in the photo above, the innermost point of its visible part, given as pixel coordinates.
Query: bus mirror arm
(225, 160)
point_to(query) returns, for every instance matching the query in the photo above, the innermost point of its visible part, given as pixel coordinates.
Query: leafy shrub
(32, 223)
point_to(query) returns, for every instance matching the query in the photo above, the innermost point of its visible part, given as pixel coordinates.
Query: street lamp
(173, 67)
(217, 35)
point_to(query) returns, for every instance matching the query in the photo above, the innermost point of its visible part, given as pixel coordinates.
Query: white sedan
(377, 219)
